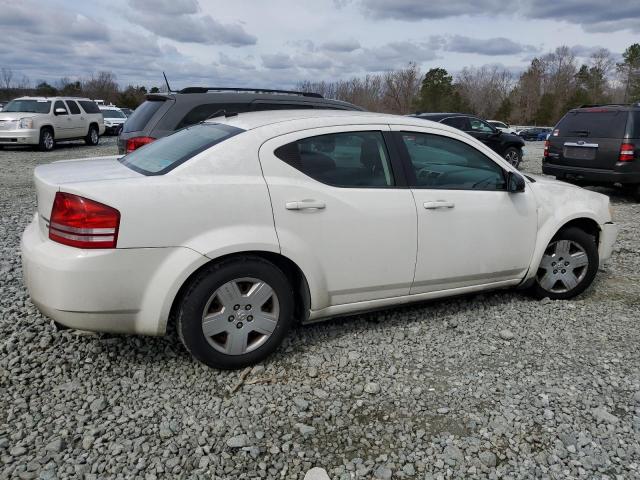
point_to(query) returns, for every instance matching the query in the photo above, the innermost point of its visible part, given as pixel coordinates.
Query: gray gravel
(488, 386)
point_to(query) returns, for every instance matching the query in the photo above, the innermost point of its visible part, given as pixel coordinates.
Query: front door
(342, 212)
(471, 231)
(79, 126)
(62, 124)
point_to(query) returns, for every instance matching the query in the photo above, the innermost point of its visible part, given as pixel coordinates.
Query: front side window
(165, 154)
(28, 106)
(478, 125)
(461, 123)
(349, 159)
(60, 104)
(445, 163)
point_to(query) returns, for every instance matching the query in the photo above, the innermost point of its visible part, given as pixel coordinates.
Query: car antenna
(167, 82)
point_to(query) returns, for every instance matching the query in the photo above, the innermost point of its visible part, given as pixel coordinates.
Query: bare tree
(484, 88)
(102, 86)
(401, 89)
(6, 76)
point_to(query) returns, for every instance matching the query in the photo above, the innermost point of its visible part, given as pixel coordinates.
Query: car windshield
(113, 114)
(165, 154)
(28, 106)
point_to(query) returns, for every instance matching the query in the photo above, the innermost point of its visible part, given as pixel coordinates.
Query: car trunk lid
(53, 177)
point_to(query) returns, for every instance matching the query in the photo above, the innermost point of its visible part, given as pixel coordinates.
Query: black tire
(93, 136)
(588, 244)
(199, 293)
(513, 155)
(47, 140)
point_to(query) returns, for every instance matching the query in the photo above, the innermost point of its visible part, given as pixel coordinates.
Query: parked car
(535, 133)
(43, 121)
(114, 119)
(503, 127)
(509, 146)
(126, 111)
(237, 227)
(2, 104)
(596, 145)
(164, 113)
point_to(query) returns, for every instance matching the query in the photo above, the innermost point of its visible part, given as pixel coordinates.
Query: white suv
(114, 119)
(236, 227)
(43, 121)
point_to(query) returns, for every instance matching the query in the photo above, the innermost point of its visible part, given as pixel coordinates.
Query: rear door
(588, 138)
(343, 212)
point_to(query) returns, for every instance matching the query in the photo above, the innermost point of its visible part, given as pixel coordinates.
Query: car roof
(51, 98)
(440, 115)
(319, 118)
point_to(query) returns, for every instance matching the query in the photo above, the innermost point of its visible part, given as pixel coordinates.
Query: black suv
(596, 145)
(507, 145)
(164, 113)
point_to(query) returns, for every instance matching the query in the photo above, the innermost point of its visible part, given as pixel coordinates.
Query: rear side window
(351, 159)
(202, 112)
(141, 115)
(89, 106)
(73, 107)
(167, 153)
(593, 124)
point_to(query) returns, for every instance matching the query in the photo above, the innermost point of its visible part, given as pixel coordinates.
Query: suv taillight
(137, 142)
(79, 222)
(626, 152)
(546, 149)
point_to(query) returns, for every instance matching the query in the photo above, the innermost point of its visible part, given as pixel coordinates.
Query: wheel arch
(295, 275)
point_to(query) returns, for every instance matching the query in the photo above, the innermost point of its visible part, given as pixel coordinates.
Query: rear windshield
(141, 116)
(202, 112)
(593, 124)
(28, 106)
(113, 114)
(89, 106)
(165, 154)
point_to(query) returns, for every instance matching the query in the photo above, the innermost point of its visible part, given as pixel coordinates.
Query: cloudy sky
(276, 43)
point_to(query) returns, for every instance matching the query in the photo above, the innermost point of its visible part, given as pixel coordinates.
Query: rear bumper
(117, 290)
(19, 137)
(594, 175)
(608, 236)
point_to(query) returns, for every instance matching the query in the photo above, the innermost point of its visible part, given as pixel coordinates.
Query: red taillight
(546, 148)
(137, 142)
(79, 222)
(627, 152)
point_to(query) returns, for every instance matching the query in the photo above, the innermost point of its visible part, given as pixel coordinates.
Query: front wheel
(568, 265)
(513, 155)
(235, 313)
(47, 142)
(93, 137)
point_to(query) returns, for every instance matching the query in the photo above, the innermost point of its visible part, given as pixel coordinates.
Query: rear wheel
(47, 142)
(568, 266)
(93, 137)
(513, 155)
(236, 313)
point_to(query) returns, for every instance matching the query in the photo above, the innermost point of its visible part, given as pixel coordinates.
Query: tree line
(552, 84)
(99, 86)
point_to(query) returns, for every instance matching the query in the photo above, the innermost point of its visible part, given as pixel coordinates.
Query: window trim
(393, 157)
(410, 171)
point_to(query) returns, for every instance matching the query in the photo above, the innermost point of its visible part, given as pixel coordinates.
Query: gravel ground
(487, 386)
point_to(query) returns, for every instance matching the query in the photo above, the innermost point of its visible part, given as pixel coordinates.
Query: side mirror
(515, 183)
(60, 111)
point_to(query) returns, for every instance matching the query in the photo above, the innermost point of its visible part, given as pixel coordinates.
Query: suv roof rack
(256, 90)
(590, 105)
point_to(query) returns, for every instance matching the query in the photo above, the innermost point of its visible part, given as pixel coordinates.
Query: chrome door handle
(438, 204)
(304, 205)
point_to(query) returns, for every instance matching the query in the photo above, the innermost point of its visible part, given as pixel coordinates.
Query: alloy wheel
(47, 140)
(563, 266)
(240, 316)
(512, 158)
(94, 136)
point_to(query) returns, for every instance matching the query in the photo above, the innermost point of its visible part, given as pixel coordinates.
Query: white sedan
(238, 227)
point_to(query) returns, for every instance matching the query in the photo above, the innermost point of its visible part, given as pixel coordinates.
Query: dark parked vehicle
(535, 133)
(506, 144)
(596, 145)
(164, 113)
